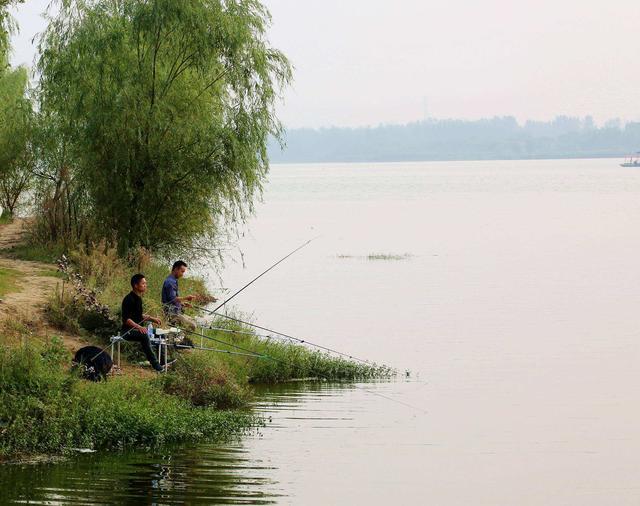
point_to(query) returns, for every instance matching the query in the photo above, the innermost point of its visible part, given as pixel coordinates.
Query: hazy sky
(365, 62)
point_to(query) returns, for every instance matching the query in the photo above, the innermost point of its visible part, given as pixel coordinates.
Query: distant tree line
(148, 125)
(484, 139)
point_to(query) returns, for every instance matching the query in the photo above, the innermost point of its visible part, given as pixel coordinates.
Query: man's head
(178, 269)
(139, 283)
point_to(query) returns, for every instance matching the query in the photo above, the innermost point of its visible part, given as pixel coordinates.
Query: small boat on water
(632, 161)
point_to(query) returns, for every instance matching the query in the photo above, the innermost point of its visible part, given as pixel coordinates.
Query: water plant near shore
(378, 256)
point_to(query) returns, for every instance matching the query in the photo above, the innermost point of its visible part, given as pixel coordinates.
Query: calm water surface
(509, 289)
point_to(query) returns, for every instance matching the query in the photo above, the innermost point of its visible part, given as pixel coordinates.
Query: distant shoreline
(499, 138)
(541, 158)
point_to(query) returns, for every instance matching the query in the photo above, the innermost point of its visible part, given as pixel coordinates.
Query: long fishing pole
(301, 341)
(255, 353)
(217, 350)
(262, 274)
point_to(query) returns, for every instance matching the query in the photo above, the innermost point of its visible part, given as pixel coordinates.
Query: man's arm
(133, 325)
(148, 317)
(184, 299)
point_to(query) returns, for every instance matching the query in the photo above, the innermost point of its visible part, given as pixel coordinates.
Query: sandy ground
(36, 286)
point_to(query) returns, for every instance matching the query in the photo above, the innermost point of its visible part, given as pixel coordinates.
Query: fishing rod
(301, 341)
(217, 350)
(121, 336)
(254, 353)
(274, 334)
(262, 274)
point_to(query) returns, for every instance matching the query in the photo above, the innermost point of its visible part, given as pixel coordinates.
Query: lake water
(509, 289)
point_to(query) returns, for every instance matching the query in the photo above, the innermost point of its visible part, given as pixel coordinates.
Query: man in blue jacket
(172, 302)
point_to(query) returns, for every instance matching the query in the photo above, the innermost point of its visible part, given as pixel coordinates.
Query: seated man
(133, 318)
(172, 302)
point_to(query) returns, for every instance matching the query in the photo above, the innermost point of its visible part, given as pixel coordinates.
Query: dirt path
(12, 233)
(36, 280)
(37, 284)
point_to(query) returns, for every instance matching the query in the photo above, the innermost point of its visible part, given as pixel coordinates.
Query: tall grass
(46, 409)
(283, 360)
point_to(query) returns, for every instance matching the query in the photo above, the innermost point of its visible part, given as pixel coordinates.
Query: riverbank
(46, 315)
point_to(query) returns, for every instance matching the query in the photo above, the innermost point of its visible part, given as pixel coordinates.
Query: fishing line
(217, 350)
(262, 274)
(122, 336)
(412, 406)
(255, 353)
(326, 378)
(301, 341)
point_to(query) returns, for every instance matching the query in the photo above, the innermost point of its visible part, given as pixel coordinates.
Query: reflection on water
(234, 473)
(205, 475)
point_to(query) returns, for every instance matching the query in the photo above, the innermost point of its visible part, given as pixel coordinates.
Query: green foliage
(204, 381)
(15, 130)
(63, 313)
(7, 27)
(44, 409)
(60, 202)
(165, 112)
(284, 360)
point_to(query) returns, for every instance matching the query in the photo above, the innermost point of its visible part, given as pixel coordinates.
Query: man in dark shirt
(133, 318)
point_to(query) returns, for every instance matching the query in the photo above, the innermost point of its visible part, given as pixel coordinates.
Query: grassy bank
(45, 408)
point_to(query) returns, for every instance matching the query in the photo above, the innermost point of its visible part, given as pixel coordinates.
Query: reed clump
(280, 359)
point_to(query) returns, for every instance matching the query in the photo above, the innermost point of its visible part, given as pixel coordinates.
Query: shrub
(62, 312)
(204, 380)
(98, 263)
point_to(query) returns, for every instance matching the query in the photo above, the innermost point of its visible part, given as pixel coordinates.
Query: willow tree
(15, 119)
(168, 106)
(15, 147)
(7, 27)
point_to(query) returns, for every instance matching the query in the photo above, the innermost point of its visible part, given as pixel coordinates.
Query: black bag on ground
(95, 364)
